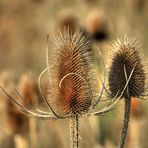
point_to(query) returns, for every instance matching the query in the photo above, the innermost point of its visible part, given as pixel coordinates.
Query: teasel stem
(33, 132)
(126, 121)
(74, 132)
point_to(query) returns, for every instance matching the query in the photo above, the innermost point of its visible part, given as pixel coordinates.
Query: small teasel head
(126, 57)
(27, 90)
(66, 19)
(96, 25)
(71, 87)
(136, 108)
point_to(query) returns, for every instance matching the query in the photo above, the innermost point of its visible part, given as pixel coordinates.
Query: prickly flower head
(71, 73)
(126, 58)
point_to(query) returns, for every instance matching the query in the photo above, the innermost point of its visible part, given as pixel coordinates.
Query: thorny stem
(74, 132)
(126, 121)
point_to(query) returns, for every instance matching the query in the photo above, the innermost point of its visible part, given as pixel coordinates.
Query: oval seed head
(71, 78)
(126, 57)
(136, 108)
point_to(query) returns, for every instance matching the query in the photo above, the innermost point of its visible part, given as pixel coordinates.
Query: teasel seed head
(96, 25)
(126, 56)
(136, 108)
(72, 77)
(66, 19)
(27, 89)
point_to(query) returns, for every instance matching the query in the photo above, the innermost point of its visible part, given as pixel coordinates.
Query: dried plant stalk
(125, 122)
(74, 132)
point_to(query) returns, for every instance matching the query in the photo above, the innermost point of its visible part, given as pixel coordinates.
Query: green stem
(126, 121)
(74, 132)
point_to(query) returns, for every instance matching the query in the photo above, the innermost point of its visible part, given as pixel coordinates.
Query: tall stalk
(74, 132)
(126, 121)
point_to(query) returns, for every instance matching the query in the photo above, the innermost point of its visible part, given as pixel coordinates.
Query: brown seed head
(67, 21)
(71, 79)
(136, 108)
(95, 25)
(126, 56)
(16, 120)
(27, 90)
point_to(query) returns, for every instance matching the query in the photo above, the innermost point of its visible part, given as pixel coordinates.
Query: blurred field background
(24, 26)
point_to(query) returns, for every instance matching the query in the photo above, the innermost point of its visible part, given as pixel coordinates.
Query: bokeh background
(24, 26)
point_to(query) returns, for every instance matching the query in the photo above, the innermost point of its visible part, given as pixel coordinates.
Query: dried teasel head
(17, 122)
(126, 57)
(68, 20)
(136, 108)
(14, 118)
(96, 25)
(27, 89)
(71, 77)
